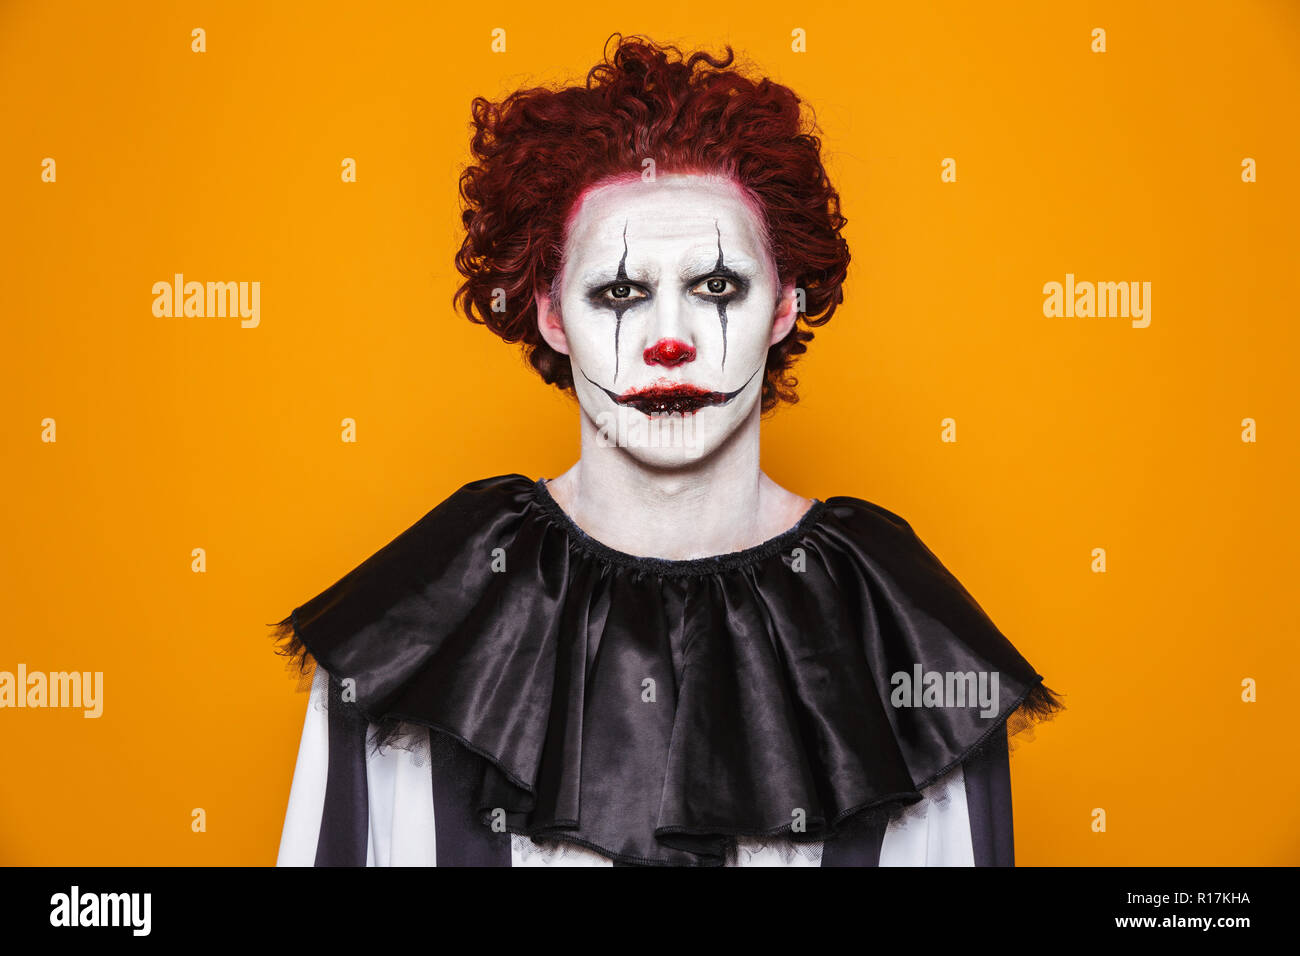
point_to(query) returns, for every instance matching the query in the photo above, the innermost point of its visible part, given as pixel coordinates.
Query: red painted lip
(666, 397)
(671, 399)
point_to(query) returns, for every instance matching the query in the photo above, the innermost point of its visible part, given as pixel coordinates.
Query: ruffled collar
(655, 710)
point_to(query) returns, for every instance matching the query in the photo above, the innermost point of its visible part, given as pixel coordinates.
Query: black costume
(661, 711)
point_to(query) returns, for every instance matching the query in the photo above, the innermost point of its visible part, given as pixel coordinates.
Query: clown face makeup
(667, 304)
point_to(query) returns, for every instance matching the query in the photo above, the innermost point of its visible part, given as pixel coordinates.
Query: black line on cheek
(722, 303)
(620, 309)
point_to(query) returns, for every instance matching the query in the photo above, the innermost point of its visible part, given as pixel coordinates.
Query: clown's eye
(622, 292)
(716, 287)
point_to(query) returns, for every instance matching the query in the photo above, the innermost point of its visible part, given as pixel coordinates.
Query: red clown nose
(669, 352)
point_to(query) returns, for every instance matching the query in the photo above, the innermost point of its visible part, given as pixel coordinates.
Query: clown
(660, 656)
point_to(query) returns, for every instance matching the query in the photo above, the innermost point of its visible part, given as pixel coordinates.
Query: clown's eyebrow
(696, 267)
(606, 276)
(737, 267)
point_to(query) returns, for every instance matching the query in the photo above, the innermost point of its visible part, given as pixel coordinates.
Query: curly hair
(537, 150)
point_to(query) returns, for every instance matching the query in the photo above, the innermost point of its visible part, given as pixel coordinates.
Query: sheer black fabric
(654, 710)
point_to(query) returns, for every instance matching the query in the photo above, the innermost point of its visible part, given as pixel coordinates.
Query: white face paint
(667, 289)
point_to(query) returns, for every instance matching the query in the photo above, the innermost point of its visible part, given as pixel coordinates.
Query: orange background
(1072, 433)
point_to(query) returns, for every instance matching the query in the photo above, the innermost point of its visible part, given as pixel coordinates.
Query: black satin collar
(654, 710)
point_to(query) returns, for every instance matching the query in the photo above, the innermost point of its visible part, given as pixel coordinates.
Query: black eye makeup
(715, 285)
(618, 296)
(620, 293)
(720, 284)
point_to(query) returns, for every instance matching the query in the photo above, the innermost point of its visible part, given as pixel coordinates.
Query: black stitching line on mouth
(614, 396)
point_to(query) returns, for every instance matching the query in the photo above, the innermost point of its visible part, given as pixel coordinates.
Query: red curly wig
(538, 150)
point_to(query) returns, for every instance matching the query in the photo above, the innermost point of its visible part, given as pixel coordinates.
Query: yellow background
(1072, 434)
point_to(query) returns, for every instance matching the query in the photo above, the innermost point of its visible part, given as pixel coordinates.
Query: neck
(715, 505)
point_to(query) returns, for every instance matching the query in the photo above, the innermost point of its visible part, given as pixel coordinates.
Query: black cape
(653, 710)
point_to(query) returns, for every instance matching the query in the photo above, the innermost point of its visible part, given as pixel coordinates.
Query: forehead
(668, 218)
